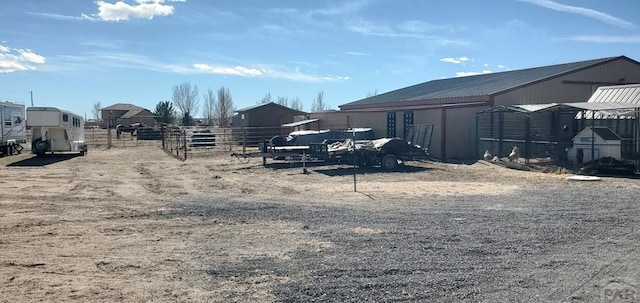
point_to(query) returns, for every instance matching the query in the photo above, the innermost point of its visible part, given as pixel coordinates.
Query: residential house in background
(126, 114)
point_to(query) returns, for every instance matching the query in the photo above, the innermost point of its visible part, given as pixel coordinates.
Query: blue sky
(74, 53)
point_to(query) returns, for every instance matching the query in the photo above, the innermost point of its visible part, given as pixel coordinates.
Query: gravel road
(551, 242)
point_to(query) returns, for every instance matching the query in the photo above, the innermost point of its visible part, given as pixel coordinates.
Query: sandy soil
(104, 227)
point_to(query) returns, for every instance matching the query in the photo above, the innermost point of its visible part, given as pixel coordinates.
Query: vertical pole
(478, 136)
(184, 140)
(354, 161)
(593, 136)
(304, 162)
(636, 141)
(244, 140)
(500, 133)
(443, 135)
(109, 131)
(527, 139)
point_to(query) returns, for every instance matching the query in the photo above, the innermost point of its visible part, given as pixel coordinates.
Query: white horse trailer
(55, 130)
(12, 128)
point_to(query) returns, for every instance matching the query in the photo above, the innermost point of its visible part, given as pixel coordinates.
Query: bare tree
(96, 110)
(284, 101)
(224, 107)
(185, 98)
(208, 107)
(265, 99)
(296, 104)
(318, 103)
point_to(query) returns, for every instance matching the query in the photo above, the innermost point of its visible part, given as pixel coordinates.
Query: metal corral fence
(544, 136)
(189, 142)
(99, 138)
(174, 142)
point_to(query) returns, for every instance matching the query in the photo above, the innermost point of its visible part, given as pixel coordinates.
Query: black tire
(389, 162)
(40, 146)
(278, 141)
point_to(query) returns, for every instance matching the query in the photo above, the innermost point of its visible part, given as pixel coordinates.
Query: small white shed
(602, 140)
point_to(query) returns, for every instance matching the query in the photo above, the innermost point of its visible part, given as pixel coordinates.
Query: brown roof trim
(427, 103)
(418, 107)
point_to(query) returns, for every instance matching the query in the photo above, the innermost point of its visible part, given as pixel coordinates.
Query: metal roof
(479, 85)
(248, 108)
(605, 133)
(620, 108)
(534, 107)
(134, 112)
(121, 106)
(619, 93)
(299, 123)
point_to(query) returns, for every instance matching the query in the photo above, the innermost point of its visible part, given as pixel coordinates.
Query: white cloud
(459, 60)
(344, 9)
(59, 17)
(369, 29)
(416, 26)
(605, 39)
(223, 70)
(410, 29)
(13, 59)
(278, 73)
(120, 10)
(464, 74)
(356, 53)
(586, 12)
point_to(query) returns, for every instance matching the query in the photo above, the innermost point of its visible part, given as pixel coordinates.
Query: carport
(544, 131)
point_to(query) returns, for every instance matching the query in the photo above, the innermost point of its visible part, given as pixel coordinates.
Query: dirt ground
(134, 224)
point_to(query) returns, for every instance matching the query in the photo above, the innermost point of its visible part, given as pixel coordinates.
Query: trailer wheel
(40, 146)
(389, 162)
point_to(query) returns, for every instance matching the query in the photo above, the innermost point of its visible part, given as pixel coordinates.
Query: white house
(601, 140)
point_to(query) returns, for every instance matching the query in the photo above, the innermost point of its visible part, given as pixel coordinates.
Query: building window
(65, 118)
(7, 118)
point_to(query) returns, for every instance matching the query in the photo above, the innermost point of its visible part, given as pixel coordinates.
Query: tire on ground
(389, 162)
(40, 146)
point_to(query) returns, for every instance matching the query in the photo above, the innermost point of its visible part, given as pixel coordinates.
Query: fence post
(527, 140)
(162, 132)
(244, 140)
(184, 140)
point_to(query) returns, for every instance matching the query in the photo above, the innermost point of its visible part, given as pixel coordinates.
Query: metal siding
(431, 116)
(568, 89)
(461, 130)
(545, 92)
(611, 72)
